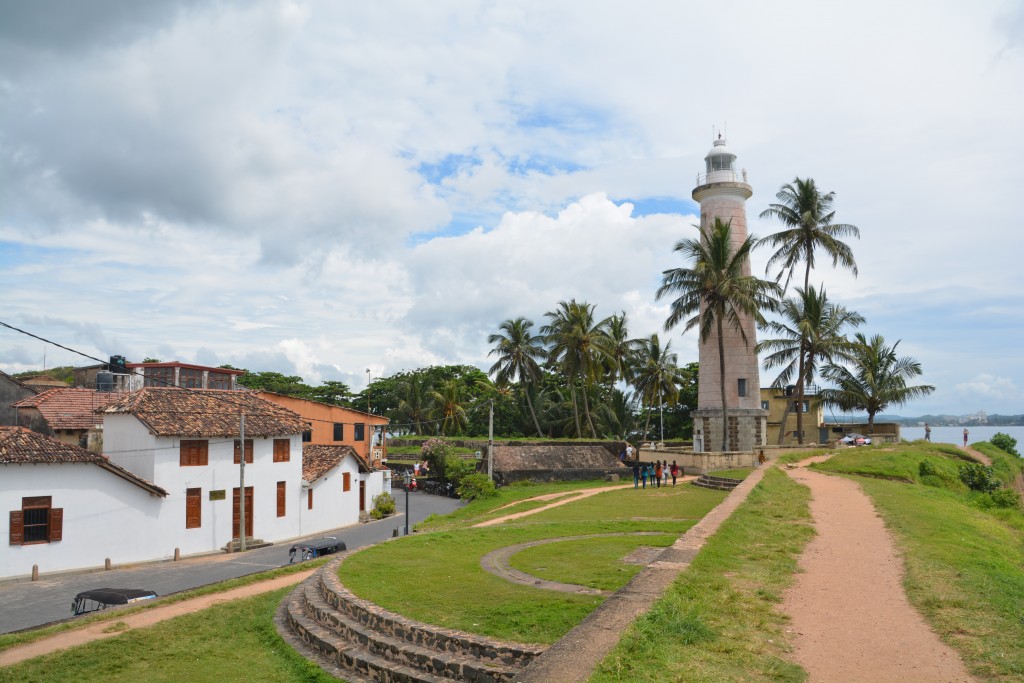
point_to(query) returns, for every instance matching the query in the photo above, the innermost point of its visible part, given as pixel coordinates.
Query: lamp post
(367, 389)
(408, 478)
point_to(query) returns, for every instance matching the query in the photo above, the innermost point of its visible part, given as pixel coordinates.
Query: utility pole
(661, 406)
(490, 443)
(241, 487)
(367, 389)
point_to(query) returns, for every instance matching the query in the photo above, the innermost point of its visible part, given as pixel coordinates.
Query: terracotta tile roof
(319, 459)
(170, 411)
(20, 446)
(69, 408)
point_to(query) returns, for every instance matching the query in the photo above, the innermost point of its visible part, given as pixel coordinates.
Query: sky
(322, 188)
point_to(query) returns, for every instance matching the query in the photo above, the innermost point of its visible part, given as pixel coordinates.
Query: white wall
(333, 507)
(128, 443)
(104, 516)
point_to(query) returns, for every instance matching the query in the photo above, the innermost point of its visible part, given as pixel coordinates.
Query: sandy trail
(562, 499)
(142, 619)
(851, 619)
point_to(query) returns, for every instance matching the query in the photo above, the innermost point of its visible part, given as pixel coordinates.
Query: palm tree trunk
(533, 414)
(800, 399)
(586, 411)
(785, 416)
(575, 410)
(721, 375)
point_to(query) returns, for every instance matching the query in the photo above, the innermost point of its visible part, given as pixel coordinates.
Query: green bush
(933, 480)
(1005, 498)
(444, 462)
(978, 477)
(1004, 442)
(476, 485)
(383, 505)
(926, 468)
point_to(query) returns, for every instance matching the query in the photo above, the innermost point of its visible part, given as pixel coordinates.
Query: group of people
(657, 473)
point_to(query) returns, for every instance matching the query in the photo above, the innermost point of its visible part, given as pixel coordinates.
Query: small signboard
(220, 494)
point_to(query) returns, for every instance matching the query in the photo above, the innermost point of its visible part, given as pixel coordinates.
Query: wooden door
(362, 496)
(248, 513)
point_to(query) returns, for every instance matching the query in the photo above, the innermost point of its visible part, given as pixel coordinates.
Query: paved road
(26, 604)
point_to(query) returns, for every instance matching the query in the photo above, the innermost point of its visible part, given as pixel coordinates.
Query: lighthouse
(722, 192)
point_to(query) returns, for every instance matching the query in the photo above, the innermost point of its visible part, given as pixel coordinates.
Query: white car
(855, 440)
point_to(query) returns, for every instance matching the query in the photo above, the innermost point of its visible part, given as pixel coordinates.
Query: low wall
(542, 476)
(702, 463)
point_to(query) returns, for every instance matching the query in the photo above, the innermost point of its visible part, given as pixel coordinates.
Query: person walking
(657, 472)
(927, 432)
(636, 475)
(674, 471)
(664, 472)
(965, 436)
(643, 475)
(629, 451)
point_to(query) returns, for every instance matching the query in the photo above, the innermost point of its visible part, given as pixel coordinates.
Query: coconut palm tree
(716, 292)
(811, 330)
(808, 216)
(621, 350)
(517, 350)
(449, 408)
(876, 379)
(417, 404)
(579, 346)
(657, 375)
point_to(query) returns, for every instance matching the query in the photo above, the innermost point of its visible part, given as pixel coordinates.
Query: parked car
(102, 598)
(855, 439)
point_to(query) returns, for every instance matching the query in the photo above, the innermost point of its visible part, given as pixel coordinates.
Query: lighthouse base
(746, 430)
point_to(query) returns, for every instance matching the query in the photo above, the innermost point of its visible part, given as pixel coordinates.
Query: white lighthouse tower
(722, 192)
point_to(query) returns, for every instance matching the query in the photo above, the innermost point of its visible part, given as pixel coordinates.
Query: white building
(69, 508)
(169, 481)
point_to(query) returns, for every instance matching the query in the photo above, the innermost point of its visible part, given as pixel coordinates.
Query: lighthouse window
(742, 386)
(720, 163)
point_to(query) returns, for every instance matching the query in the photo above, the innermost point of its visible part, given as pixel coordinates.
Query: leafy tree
(147, 359)
(332, 392)
(517, 350)
(811, 330)
(618, 366)
(449, 408)
(656, 376)
(809, 217)
(578, 346)
(1004, 442)
(876, 379)
(417, 405)
(716, 291)
(290, 385)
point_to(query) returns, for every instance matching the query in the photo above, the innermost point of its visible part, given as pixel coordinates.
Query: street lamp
(408, 479)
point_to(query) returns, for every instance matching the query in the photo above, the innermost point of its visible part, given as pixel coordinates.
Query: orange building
(337, 426)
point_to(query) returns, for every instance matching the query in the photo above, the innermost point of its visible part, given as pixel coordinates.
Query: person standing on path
(643, 474)
(629, 451)
(927, 432)
(657, 473)
(965, 436)
(664, 472)
(675, 472)
(636, 475)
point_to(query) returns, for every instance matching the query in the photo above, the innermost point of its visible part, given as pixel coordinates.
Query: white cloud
(986, 386)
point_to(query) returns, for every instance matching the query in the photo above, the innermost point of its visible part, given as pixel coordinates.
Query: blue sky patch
(647, 206)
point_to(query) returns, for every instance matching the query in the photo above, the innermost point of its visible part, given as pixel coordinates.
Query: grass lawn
(8, 640)
(437, 577)
(596, 562)
(718, 621)
(233, 641)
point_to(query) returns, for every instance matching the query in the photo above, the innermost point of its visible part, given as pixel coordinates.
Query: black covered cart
(307, 550)
(102, 598)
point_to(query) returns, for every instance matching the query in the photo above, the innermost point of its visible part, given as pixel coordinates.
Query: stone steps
(357, 640)
(719, 483)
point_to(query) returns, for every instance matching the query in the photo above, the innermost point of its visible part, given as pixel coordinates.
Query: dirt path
(142, 619)
(977, 455)
(851, 620)
(562, 499)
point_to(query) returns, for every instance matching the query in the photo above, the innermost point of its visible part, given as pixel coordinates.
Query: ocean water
(956, 434)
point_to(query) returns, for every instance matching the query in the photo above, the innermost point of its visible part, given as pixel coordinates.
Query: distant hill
(936, 420)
